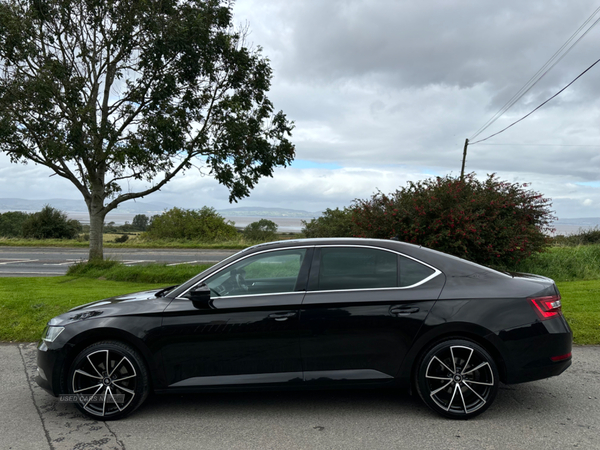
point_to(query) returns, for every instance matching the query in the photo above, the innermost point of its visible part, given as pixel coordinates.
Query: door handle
(403, 310)
(280, 317)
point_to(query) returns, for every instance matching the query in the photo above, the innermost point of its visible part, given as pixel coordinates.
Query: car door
(362, 310)
(248, 332)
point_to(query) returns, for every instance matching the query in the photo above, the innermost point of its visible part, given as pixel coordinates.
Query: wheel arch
(480, 335)
(89, 337)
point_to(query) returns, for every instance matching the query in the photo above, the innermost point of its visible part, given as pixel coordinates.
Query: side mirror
(200, 297)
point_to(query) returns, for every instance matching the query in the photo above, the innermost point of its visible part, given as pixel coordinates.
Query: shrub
(11, 223)
(121, 239)
(188, 224)
(50, 223)
(263, 230)
(332, 223)
(490, 222)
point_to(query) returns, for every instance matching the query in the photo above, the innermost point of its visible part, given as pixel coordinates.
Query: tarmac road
(50, 261)
(557, 413)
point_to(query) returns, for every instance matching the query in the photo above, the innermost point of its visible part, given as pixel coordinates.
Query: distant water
(285, 224)
(294, 224)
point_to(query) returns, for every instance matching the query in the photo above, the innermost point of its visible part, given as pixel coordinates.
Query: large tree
(107, 91)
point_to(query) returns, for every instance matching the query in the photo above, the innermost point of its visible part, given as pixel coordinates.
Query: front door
(249, 334)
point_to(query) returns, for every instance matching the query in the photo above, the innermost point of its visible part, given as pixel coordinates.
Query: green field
(26, 304)
(581, 306)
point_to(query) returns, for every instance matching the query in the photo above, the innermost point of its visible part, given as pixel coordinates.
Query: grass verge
(581, 307)
(136, 242)
(26, 304)
(149, 273)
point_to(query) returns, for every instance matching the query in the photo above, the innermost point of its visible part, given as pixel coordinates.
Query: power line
(527, 115)
(548, 145)
(549, 65)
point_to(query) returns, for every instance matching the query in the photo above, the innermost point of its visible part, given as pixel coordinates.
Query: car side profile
(309, 314)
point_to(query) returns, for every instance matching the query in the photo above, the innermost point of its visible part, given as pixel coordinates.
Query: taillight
(547, 307)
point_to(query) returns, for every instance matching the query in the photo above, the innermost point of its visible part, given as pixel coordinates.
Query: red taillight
(561, 357)
(547, 307)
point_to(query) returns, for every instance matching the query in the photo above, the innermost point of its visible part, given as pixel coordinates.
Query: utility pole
(462, 170)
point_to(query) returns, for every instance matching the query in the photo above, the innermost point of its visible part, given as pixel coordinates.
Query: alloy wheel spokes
(441, 363)
(459, 379)
(113, 387)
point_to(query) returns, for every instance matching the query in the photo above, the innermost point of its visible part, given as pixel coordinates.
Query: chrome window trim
(435, 273)
(423, 281)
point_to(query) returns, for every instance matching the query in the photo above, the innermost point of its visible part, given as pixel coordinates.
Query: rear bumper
(532, 358)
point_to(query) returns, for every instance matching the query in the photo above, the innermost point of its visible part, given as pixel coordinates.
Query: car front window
(265, 273)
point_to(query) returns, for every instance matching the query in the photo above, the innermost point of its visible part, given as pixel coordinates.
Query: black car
(310, 314)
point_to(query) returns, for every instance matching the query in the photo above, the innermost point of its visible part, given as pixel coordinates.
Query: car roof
(449, 264)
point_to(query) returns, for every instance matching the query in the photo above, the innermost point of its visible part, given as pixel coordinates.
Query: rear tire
(109, 379)
(457, 379)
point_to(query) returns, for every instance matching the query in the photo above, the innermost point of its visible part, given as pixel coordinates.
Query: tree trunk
(97, 215)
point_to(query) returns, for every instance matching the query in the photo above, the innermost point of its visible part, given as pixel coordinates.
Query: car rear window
(357, 268)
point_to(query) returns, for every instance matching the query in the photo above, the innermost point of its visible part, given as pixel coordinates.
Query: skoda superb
(310, 314)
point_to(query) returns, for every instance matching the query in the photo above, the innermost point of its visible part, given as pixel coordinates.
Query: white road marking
(18, 261)
(180, 263)
(127, 263)
(69, 261)
(11, 272)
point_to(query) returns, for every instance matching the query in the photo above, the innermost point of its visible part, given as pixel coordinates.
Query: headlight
(51, 333)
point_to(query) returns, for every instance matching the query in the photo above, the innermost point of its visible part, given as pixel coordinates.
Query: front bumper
(50, 363)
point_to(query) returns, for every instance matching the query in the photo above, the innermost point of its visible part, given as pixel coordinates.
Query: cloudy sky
(386, 91)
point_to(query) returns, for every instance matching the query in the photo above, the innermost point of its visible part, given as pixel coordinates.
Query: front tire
(457, 379)
(109, 380)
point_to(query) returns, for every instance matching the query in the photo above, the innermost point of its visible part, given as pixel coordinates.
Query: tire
(109, 380)
(457, 379)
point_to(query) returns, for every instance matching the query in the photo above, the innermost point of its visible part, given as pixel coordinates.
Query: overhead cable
(527, 115)
(549, 65)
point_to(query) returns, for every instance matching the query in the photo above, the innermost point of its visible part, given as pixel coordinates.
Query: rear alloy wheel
(457, 379)
(109, 380)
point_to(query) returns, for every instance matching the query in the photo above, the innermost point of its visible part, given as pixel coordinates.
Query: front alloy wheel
(457, 379)
(109, 380)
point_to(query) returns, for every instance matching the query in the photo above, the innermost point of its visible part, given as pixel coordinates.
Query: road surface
(48, 261)
(558, 413)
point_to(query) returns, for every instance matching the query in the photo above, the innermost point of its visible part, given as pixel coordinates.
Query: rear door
(362, 310)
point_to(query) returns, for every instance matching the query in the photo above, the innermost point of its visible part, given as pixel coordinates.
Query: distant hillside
(148, 208)
(130, 207)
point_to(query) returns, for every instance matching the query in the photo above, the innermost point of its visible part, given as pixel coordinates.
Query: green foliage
(140, 222)
(189, 91)
(332, 223)
(490, 222)
(11, 223)
(188, 224)
(583, 237)
(50, 223)
(564, 263)
(264, 230)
